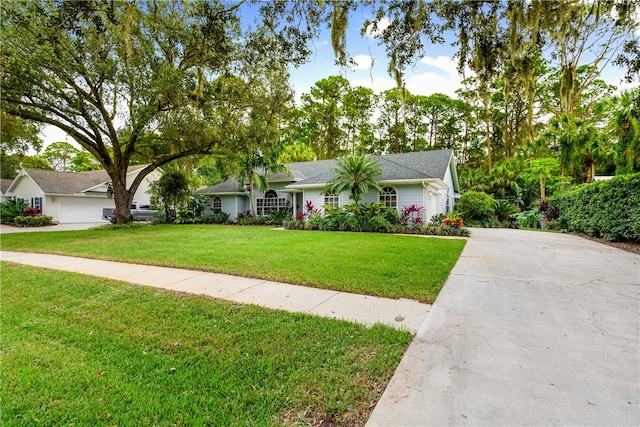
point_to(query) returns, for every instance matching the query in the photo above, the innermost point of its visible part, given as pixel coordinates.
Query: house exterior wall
(449, 195)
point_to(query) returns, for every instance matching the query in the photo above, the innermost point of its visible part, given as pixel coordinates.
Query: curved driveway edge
(530, 329)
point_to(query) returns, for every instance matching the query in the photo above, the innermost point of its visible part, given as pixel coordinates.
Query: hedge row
(609, 209)
(32, 221)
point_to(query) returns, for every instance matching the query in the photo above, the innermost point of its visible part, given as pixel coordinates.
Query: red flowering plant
(410, 215)
(31, 212)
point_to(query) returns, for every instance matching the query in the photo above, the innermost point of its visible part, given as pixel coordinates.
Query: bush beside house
(608, 209)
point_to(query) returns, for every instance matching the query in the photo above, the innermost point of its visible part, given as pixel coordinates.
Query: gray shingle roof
(56, 182)
(402, 166)
(229, 186)
(4, 184)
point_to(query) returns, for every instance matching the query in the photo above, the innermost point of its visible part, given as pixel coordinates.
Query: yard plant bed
(87, 351)
(394, 266)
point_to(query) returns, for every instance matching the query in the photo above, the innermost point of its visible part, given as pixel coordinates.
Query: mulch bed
(625, 246)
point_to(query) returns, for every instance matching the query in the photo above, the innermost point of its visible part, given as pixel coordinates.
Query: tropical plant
(252, 168)
(355, 174)
(171, 192)
(504, 210)
(475, 205)
(11, 209)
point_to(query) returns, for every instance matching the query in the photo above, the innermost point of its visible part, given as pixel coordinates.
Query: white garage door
(75, 209)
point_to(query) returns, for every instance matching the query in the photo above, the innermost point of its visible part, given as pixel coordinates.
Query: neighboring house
(425, 178)
(70, 197)
(4, 186)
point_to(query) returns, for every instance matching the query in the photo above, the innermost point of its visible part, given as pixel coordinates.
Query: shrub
(216, 218)
(609, 209)
(277, 217)
(410, 215)
(453, 220)
(11, 209)
(32, 221)
(437, 219)
(528, 219)
(476, 205)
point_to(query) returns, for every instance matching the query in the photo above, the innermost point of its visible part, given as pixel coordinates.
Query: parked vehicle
(138, 213)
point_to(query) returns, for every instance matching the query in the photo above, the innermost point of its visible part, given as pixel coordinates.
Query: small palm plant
(356, 174)
(11, 209)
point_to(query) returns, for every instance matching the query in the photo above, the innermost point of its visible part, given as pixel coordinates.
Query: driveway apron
(530, 329)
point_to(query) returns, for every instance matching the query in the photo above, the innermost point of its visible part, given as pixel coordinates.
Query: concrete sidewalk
(531, 329)
(368, 310)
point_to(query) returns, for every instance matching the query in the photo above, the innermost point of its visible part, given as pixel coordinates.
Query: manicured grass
(395, 266)
(84, 351)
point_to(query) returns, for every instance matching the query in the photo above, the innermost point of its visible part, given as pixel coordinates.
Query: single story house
(70, 197)
(426, 178)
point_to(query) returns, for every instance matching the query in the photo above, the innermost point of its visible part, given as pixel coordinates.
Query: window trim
(387, 197)
(214, 208)
(332, 200)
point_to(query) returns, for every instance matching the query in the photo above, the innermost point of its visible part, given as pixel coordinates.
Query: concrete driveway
(530, 329)
(6, 229)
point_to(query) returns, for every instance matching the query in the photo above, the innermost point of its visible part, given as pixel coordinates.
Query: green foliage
(11, 209)
(32, 221)
(216, 218)
(528, 219)
(355, 174)
(609, 209)
(505, 211)
(171, 192)
(193, 212)
(476, 205)
(373, 217)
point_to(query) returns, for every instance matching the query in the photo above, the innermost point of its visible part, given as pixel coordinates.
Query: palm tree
(626, 127)
(253, 167)
(355, 173)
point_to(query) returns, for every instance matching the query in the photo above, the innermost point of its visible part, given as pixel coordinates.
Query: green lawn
(395, 266)
(85, 351)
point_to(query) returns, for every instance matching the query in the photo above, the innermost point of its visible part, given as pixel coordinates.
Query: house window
(216, 205)
(36, 203)
(332, 200)
(270, 203)
(389, 197)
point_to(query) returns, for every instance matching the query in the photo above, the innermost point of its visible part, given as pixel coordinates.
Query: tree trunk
(123, 199)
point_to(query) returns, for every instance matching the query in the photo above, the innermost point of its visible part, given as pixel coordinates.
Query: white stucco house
(426, 178)
(71, 197)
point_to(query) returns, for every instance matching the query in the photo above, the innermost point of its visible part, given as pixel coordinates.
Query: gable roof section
(56, 182)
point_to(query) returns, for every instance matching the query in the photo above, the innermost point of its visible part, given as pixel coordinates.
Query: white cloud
(383, 24)
(444, 63)
(362, 62)
(378, 84)
(444, 78)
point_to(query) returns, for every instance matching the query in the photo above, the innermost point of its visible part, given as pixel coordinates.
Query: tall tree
(108, 73)
(59, 155)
